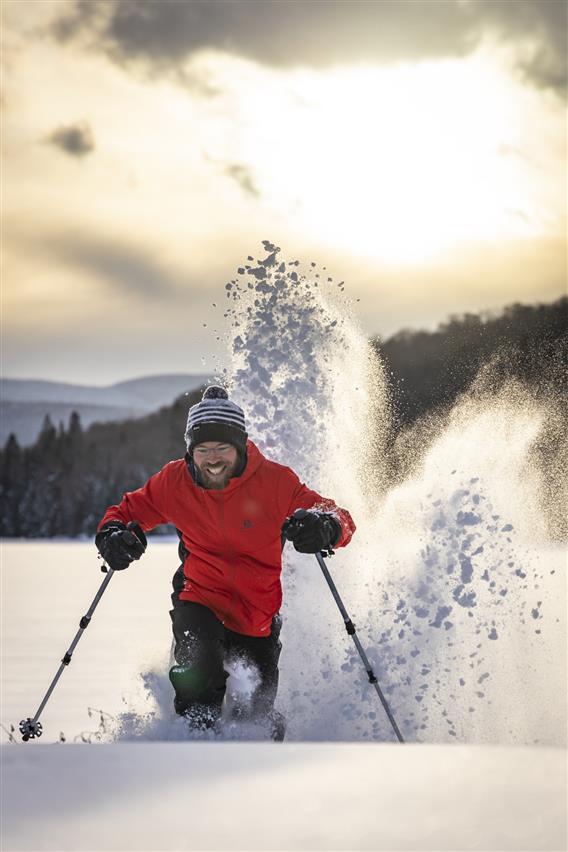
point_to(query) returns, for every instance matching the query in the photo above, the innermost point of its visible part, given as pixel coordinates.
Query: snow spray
(455, 577)
(452, 577)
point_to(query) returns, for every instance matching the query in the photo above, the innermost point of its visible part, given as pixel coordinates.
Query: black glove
(119, 545)
(311, 531)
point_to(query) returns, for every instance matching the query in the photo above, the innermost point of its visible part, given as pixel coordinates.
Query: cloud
(538, 28)
(279, 33)
(241, 175)
(286, 33)
(80, 16)
(74, 139)
(128, 269)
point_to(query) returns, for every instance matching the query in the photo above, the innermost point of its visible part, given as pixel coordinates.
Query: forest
(62, 484)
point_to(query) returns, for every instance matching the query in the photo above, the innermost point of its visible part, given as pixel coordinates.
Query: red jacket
(232, 535)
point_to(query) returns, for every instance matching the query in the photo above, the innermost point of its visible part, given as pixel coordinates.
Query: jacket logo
(247, 524)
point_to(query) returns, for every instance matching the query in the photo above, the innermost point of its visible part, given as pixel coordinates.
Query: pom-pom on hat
(216, 418)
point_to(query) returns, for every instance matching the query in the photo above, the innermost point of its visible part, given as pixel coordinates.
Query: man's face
(216, 463)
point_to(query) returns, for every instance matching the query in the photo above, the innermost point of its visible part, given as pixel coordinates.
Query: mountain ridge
(26, 402)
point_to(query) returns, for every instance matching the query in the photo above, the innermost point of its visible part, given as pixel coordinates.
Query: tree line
(62, 484)
(430, 369)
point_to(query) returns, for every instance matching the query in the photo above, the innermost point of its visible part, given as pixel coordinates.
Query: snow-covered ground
(244, 796)
(136, 792)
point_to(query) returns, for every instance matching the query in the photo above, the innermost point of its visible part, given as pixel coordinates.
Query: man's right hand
(119, 545)
(312, 531)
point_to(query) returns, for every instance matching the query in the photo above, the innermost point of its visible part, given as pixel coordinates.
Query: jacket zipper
(231, 556)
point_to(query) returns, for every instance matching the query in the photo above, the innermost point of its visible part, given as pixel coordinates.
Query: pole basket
(30, 729)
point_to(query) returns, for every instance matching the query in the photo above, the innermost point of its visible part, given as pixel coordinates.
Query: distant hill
(26, 402)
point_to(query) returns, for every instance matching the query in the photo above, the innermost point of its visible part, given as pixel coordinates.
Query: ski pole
(350, 628)
(289, 530)
(31, 728)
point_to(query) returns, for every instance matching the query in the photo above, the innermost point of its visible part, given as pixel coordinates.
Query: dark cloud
(75, 139)
(538, 28)
(128, 269)
(242, 175)
(317, 34)
(81, 16)
(281, 32)
(238, 172)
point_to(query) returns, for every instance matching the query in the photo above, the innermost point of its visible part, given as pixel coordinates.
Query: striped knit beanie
(216, 418)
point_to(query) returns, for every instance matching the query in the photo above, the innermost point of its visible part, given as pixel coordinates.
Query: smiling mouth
(215, 470)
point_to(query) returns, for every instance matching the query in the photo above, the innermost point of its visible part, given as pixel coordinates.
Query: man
(229, 504)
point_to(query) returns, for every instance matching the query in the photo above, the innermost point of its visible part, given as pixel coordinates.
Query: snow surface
(244, 796)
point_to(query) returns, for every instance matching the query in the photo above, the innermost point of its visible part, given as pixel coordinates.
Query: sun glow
(401, 164)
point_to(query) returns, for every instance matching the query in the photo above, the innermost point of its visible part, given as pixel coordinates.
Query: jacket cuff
(338, 530)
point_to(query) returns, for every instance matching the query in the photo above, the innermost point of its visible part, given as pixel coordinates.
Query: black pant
(202, 645)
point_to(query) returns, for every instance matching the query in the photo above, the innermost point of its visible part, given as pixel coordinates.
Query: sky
(417, 150)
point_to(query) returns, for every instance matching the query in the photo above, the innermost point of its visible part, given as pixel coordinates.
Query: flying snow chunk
(468, 519)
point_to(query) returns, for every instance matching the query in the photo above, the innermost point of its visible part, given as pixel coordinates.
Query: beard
(219, 477)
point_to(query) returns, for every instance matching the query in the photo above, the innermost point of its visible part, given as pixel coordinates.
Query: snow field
(245, 796)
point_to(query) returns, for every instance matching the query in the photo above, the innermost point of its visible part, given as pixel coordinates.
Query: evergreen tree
(11, 466)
